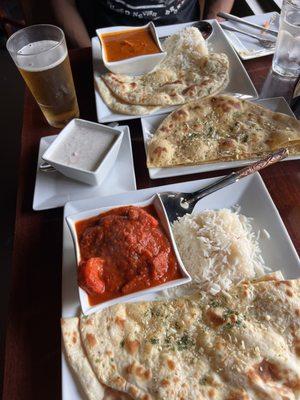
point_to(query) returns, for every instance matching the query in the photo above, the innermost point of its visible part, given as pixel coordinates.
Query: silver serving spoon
(46, 167)
(268, 44)
(177, 204)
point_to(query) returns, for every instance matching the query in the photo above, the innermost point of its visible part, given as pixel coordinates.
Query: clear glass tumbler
(41, 55)
(286, 61)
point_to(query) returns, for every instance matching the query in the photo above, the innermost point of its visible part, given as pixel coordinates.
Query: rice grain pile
(218, 249)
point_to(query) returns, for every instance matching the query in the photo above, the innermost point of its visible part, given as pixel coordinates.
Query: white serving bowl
(97, 176)
(134, 65)
(83, 296)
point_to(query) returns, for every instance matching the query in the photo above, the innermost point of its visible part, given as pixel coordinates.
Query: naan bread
(243, 344)
(188, 72)
(219, 128)
(93, 389)
(118, 106)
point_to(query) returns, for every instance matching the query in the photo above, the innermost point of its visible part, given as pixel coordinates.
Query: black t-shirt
(102, 13)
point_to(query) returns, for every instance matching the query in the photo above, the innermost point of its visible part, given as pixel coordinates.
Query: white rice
(218, 249)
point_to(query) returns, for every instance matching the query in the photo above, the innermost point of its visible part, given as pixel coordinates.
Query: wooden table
(33, 344)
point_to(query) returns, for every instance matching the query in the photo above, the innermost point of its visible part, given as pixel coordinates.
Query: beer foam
(41, 55)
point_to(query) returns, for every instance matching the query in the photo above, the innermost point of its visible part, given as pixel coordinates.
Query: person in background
(80, 18)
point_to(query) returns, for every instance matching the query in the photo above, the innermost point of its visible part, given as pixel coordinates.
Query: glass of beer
(41, 55)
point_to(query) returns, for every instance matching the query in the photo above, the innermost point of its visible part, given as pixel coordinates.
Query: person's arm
(71, 22)
(216, 6)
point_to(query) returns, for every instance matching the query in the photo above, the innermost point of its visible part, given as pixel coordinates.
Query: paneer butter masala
(123, 251)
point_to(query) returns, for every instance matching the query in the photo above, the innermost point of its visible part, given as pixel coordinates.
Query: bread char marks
(268, 372)
(213, 358)
(224, 104)
(220, 128)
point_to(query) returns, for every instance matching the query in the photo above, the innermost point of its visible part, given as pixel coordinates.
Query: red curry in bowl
(124, 250)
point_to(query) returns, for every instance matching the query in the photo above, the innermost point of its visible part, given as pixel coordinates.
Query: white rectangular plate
(239, 84)
(250, 193)
(247, 47)
(151, 123)
(53, 189)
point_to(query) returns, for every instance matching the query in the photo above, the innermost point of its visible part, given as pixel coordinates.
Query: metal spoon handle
(272, 158)
(46, 167)
(245, 22)
(235, 176)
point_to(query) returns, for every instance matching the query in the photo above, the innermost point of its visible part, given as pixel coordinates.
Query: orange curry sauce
(123, 251)
(128, 43)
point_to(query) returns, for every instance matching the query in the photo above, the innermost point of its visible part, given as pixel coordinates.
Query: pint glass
(286, 61)
(41, 55)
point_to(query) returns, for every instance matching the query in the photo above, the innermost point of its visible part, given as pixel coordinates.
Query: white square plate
(151, 123)
(250, 193)
(239, 84)
(52, 189)
(247, 47)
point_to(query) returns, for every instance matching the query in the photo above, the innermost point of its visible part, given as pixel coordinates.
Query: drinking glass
(41, 55)
(286, 61)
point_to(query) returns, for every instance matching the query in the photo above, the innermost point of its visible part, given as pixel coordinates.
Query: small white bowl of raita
(85, 151)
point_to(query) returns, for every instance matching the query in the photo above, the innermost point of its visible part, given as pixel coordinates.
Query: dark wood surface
(33, 345)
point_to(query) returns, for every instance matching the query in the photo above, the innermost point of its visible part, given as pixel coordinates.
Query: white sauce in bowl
(83, 148)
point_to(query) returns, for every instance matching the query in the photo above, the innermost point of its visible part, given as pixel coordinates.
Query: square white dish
(87, 309)
(136, 65)
(247, 47)
(74, 130)
(252, 196)
(239, 84)
(151, 123)
(53, 189)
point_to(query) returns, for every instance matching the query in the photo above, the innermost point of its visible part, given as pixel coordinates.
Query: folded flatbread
(242, 344)
(119, 106)
(92, 388)
(219, 128)
(188, 72)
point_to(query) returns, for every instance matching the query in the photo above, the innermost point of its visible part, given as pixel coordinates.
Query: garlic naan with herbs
(188, 72)
(219, 128)
(240, 344)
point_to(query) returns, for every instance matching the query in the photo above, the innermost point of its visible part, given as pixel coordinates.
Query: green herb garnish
(215, 304)
(245, 139)
(229, 312)
(177, 325)
(155, 312)
(203, 381)
(168, 340)
(184, 342)
(229, 325)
